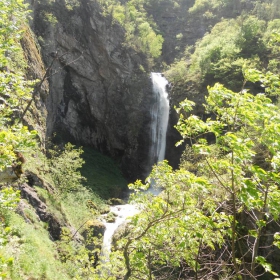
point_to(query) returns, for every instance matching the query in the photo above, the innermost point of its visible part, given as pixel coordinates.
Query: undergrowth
(102, 173)
(34, 253)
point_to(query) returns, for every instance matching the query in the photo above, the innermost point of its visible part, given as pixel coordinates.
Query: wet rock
(116, 201)
(110, 217)
(93, 228)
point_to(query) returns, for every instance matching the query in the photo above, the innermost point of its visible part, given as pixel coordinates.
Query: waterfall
(160, 115)
(122, 212)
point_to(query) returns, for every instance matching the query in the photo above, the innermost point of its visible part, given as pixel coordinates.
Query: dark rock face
(173, 153)
(30, 194)
(98, 94)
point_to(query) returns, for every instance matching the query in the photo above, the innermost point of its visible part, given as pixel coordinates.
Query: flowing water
(159, 115)
(122, 212)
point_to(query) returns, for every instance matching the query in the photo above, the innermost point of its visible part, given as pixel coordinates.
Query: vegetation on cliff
(217, 215)
(42, 199)
(235, 41)
(141, 31)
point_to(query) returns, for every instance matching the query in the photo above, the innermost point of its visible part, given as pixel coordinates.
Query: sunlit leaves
(237, 172)
(270, 81)
(232, 43)
(205, 4)
(17, 138)
(277, 239)
(150, 42)
(15, 91)
(172, 227)
(140, 30)
(267, 266)
(243, 159)
(8, 199)
(65, 167)
(13, 14)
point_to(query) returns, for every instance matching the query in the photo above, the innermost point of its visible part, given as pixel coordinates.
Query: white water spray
(160, 116)
(122, 212)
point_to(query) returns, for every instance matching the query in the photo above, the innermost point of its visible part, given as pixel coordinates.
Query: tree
(64, 168)
(139, 28)
(213, 221)
(14, 91)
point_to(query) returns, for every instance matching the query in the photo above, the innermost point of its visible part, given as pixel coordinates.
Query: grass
(34, 254)
(103, 175)
(74, 208)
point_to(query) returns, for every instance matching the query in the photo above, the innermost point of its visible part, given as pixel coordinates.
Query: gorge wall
(98, 96)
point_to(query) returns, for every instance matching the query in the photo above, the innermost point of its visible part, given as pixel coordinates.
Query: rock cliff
(98, 96)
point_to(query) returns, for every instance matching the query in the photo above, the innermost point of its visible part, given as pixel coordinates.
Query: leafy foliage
(13, 16)
(16, 138)
(25, 252)
(232, 43)
(206, 5)
(14, 90)
(266, 10)
(64, 168)
(195, 219)
(141, 32)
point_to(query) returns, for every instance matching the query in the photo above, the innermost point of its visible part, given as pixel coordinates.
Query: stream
(122, 212)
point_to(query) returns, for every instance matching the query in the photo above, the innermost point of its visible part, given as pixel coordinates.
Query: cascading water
(122, 212)
(160, 116)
